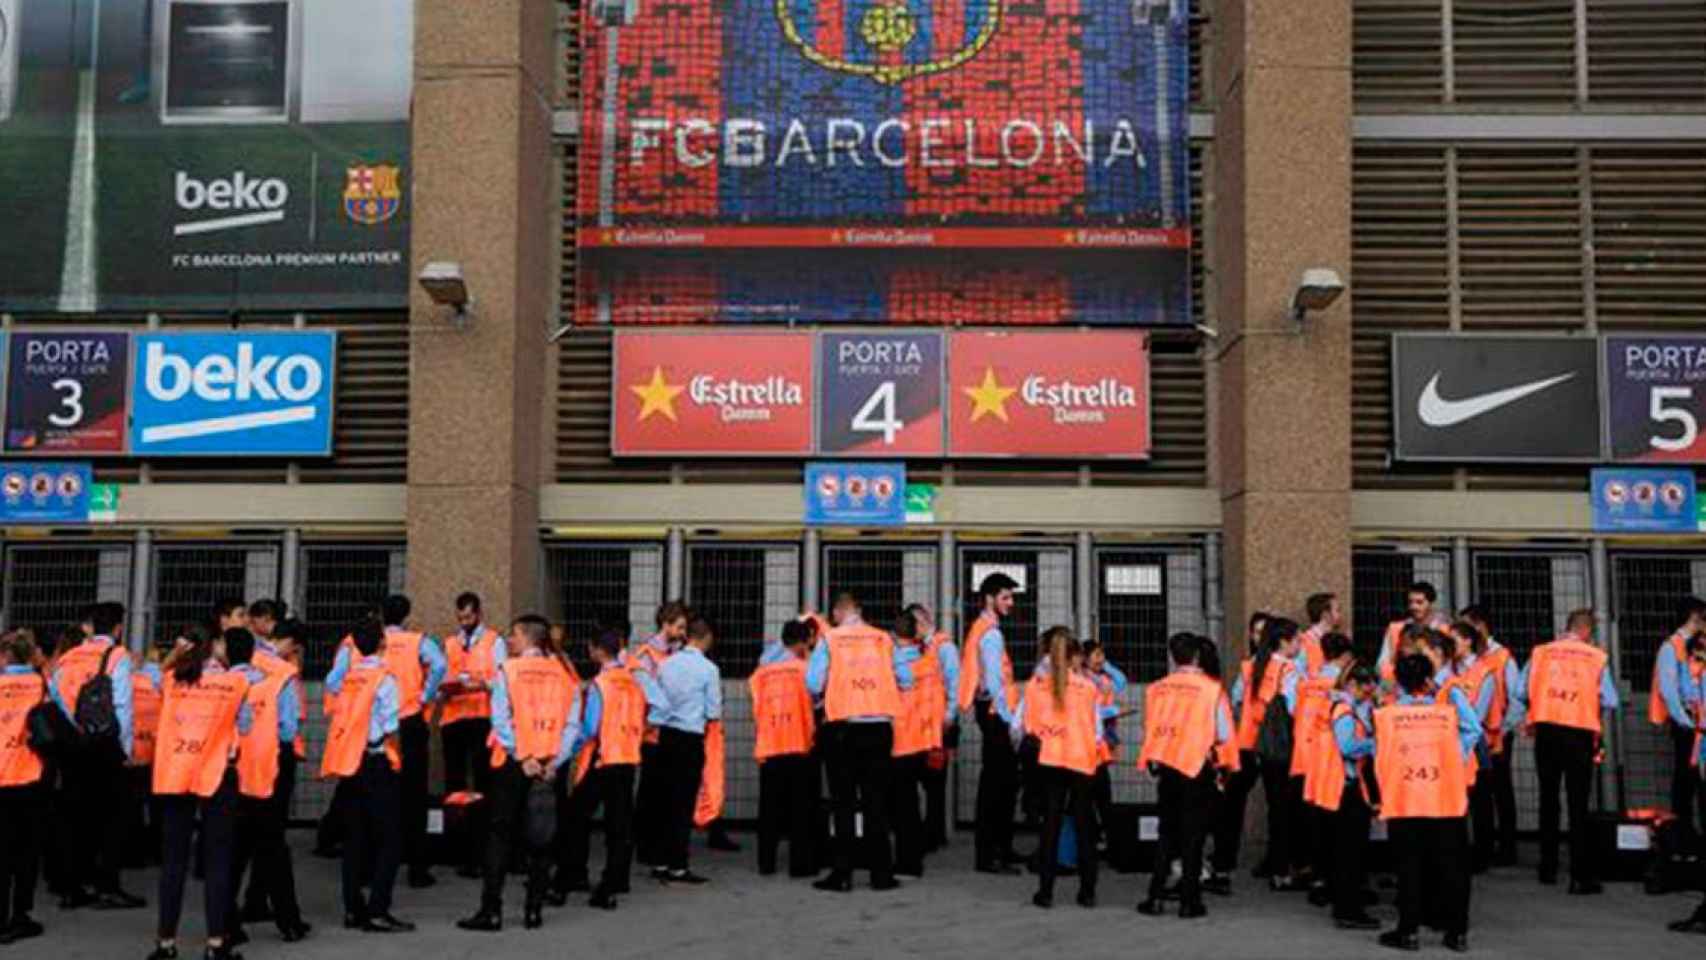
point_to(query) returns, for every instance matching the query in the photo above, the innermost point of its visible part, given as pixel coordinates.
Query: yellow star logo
(657, 396)
(989, 397)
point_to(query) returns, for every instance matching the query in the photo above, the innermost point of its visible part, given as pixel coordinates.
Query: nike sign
(1436, 411)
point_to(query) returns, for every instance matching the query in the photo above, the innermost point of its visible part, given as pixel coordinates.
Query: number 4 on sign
(880, 403)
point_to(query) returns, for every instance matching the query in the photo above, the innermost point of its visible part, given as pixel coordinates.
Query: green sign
(103, 503)
(920, 503)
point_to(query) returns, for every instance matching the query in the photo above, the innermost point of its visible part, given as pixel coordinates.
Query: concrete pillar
(1281, 183)
(484, 76)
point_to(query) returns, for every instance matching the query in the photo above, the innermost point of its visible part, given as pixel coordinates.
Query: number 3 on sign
(879, 404)
(1661, 413)
(71, 402)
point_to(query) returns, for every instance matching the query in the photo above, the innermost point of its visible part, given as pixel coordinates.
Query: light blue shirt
(692, 688)
(1519, 690)
(948, 654)
(151, 670)
(817, 674)
(431, 657)
(1699, 694)
(1288, 686)
(989, 652)
(503, 720)
(287, 703)
(121, 692)
(1676, 684)
(774, 652)
(1354, 744)
(387, 701)
(1468, 726)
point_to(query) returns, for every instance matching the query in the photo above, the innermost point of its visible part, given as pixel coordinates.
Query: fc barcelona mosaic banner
(205, 156)
(885, 161)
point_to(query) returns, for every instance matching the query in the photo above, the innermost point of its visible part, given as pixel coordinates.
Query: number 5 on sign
(1655, 398)
(1663, 411)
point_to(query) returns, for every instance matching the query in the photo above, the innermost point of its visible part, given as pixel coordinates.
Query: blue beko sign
(44, 492)
(1644, 501)
(856, 494)
(251, 394)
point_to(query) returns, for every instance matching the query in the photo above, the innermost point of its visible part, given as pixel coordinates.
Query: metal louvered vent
(1646, 50)
(1649, 235)
(1397, 55)
(370, 438)
(1520, 230)
(1514, 50)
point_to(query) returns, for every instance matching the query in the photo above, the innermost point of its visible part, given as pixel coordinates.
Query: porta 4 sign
(254, 394)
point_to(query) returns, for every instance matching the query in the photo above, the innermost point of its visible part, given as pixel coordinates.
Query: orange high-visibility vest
(79, 664)
(144, 717)
(1179, 721)
(1563, 684)
(861, 674)
(1324, 784)
(541, 691)
(1492, 664)
(328, 699)
(479, 661)
(781, 710)
(1256, 701)
(971, 666)
(1313, 657)
(403, 660)
(651, 659)
(1066, 731)
(270, 665)
(1443, 697)
(1310, 725)
(1657, 713)
(622, 720)
(1418, 761)
(346, 737)
(19, 694)
(708, 805)
(198, 733)
(257, 752)
(1389, 650)
(1104, 698)
(918, 726)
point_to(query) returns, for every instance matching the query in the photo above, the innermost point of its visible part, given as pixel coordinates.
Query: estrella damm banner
(885, 161)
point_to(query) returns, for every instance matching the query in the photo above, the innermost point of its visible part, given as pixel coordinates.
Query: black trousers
(373, 836)
(142, 820)
(861, 772)
(262, 849)
(611, 788)
(218, 850)
(510, 824)
(20, 850)
(1348, 835)
(1067, 793)
(1685, 789)
(1229, 811)
(681, 760)
(1276, 786)
(97, 834)
(414, 738)
(1565, 753)
(788, 807)
(329, 836)
(1433, 872)
(1186, 803)
(1316, 829)
(997, 788)
(650, 804)
(467, 758)
(936, 795)
(1102, 792)
(905, 815)
(1504, 802)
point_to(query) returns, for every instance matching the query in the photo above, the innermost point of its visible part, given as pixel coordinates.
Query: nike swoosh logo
(1436, 411)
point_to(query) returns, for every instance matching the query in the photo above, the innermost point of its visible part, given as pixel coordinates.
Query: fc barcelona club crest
(373, 194)
(890, 41)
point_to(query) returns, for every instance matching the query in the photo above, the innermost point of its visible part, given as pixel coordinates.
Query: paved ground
(953, 912)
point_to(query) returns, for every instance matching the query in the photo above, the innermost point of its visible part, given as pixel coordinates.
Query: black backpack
(1273, 741)
(49, 734)
(96, 714)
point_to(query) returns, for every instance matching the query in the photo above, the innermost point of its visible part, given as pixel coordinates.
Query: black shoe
(1694, 924)
(164, 952)
(998, 868)
(1041, 899)
(532, 918)
(421, 879)
(577, 885)
(485, 921)
(23, 928)
(354, 921)
(1361, 921)
(385, 923)
(1457, 942)
(1191, 911)
(1152, 907)
(1399, 940)
(1087, 899)
(1586, 888)
(556, 898)
(686, 876)
(835, 883)
(660, 874)
(1219, 884)
(118, 900)
(222, 952)
(721, 841)
(602, 899)
(1548, 876)
(884, 884)
(295, 932)
(237, 937)
(1320, 896)
(256, 913)
(77, 899)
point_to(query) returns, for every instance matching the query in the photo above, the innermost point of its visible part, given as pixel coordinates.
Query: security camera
(1319, 289)
(442, 281)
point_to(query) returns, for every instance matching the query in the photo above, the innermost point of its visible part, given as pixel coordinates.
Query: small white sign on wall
(1133, 580)
(982, 571)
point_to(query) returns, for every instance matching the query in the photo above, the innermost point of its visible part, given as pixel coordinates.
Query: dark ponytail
(186, 662)
(1274, 635)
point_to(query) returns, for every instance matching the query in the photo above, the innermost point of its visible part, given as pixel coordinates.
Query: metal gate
(1045, 575)
(1646, 594)
(885, 577)
(1380, 577)
(188, 579)
(1528, 594)
(51, 586)
(746, 592)
(590, 587)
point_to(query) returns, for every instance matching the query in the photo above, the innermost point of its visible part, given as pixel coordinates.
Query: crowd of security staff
(187, 754)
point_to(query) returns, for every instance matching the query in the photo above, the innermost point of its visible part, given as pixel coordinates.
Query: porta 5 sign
(256, 394)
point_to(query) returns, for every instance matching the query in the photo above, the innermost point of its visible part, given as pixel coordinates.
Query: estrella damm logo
(372, 194)
(890, 41)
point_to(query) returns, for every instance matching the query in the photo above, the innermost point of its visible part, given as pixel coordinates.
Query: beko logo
(295, 379)
(247, 200)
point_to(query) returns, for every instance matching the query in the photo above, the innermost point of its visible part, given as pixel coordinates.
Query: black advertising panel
(1469, 398)
(881, 394)
(1655, 398)
(66, 393)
